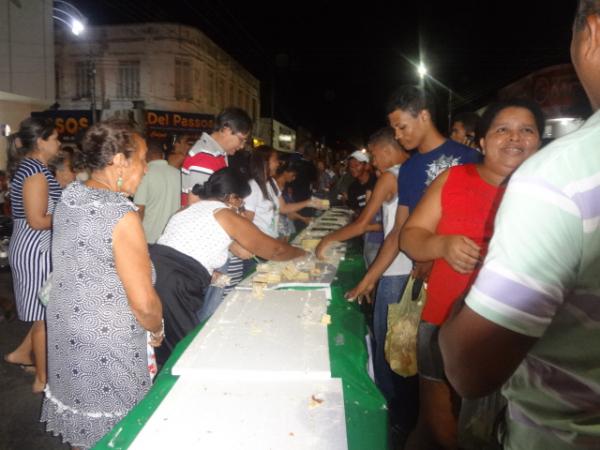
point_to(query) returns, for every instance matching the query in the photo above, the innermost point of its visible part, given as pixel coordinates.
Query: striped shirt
(541, 278)
(203, 159)
(27, 168)
(29, 250)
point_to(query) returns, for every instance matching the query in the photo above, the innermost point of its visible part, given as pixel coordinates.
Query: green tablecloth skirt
(365, 407)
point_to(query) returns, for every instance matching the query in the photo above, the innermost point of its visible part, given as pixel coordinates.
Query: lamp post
(91, 73)
(423, 73)
(449, 109)
(69, 16)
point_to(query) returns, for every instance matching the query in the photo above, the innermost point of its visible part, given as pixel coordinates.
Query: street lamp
(423, 74)
(77, 27)
(69, 15)
(422, 71)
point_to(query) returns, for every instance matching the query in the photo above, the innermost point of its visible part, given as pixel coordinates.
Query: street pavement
(20, 428)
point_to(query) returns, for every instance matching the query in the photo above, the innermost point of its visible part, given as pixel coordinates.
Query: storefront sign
(284, 138)
(70, 124)
(556, 89)
(178, 122)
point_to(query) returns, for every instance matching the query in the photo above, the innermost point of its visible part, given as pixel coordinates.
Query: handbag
(403, 323)
(44, 292)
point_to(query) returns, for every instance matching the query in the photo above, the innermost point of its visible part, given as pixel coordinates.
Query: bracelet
(160, 333)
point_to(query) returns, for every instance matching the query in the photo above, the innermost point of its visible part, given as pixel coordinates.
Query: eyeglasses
(243, 139)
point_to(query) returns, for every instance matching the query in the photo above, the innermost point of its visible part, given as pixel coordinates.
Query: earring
(119, 183)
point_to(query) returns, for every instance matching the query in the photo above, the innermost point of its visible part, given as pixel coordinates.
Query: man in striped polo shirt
(209, 153)
(532, 320)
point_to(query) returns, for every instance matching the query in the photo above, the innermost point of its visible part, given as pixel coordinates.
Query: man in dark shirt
(358, 195)
(410, 111)
(364, 180)
(306, 174)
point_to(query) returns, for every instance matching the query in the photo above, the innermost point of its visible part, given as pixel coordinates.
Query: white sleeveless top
(266, 211)
(196, 233)
(401, 265)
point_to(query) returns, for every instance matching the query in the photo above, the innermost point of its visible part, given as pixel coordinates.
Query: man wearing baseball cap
(360, 155)
(364, 180)
(358, 194)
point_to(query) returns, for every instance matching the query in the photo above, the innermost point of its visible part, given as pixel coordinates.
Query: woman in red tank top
(452, 226)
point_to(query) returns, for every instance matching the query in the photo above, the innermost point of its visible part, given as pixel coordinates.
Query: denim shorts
(429, 357)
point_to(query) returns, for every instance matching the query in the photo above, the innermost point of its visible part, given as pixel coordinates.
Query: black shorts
(429, 357)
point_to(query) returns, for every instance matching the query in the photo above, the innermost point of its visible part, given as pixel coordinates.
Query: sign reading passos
(70, 124)
(178, 121)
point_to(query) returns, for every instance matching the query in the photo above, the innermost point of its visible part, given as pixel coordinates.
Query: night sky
(331, 66)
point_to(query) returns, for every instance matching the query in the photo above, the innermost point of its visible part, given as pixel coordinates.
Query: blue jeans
(212, 298)
(389, 291)
(249, 266)
(370, 250)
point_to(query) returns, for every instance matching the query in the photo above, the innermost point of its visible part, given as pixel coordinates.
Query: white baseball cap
(361, 156)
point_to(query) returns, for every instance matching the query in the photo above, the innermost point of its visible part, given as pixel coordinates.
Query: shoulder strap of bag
(416, 289)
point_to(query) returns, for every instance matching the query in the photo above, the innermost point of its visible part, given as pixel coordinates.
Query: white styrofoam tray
(278, 337)
(245, 415)
(322, 280)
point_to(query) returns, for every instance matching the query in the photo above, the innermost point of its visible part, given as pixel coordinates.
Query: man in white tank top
(387, 155)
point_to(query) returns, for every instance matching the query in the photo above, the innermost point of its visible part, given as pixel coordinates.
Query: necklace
(101, 182)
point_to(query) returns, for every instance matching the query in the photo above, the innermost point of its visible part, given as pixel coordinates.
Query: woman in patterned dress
(34, 193)
(102, 303)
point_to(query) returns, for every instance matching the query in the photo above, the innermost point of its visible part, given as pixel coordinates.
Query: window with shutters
(82, 79)
(183, 80)
(211, 88)
(221, 90)
(128, 86)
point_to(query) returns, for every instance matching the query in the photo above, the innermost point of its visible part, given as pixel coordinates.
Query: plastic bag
(478, 422)
(403, 323)
(44, 292)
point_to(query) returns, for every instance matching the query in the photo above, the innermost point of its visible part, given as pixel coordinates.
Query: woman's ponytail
(221, 184)
(24, 141)
(199, 190)
(15, 153)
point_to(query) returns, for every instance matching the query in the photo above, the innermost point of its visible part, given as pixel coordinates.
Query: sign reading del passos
(179, 121)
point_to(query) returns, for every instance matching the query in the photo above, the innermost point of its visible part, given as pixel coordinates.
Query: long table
(365, 408)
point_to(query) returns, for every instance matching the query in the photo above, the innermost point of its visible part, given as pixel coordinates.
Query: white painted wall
(26, 62)
(27, 48)
(156, 46)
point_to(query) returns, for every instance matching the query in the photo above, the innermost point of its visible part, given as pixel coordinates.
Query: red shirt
(469, 206)
(198, 168)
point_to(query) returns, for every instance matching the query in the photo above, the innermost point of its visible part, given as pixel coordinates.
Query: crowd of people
(114, 271)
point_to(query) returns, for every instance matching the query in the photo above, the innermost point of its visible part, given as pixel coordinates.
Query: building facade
(134, 68)
(27, 81)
